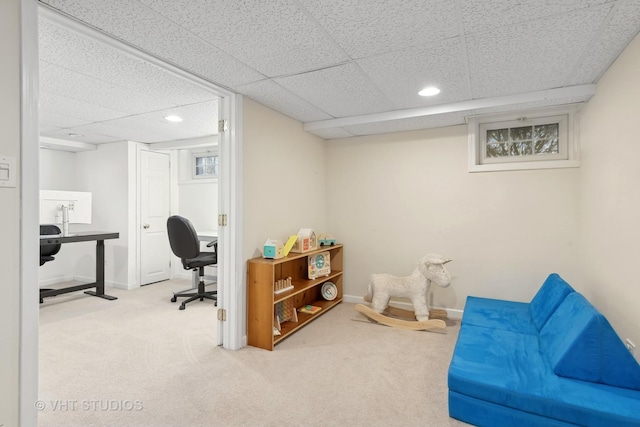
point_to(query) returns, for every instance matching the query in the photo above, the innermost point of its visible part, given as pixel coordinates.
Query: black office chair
(47, 252)
(186, 246)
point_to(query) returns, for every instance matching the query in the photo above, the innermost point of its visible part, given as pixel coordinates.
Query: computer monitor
(77, 202)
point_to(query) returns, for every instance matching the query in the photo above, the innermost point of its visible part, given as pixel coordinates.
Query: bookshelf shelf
(262, 300)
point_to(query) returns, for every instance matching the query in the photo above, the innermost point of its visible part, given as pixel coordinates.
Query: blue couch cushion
(552, 292)
(509, 369)
(498, 314)
(580, 343)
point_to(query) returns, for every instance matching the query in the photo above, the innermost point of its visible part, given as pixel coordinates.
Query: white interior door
(155, 252)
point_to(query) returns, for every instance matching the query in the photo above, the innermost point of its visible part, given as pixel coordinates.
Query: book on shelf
(309, 309)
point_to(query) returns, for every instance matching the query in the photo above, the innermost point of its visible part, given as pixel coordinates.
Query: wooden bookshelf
(261, 298)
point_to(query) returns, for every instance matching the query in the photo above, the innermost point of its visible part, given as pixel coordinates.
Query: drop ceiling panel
(620, 29)
(480, 15)
(131, 129)
(275, 38)
(90, 90)
(531, 56)
(87, 112)
(274, 96)
(401, 74)
(199, 118)
(339, 91)
(141, 26)
(315, 60)
(364, 28)
(91, 135)
(57, 121)
(70, 50)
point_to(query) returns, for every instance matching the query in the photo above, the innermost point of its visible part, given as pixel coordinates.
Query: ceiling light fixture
(173, 118)
(429, 91)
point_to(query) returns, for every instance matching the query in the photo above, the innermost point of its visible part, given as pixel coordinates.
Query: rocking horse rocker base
(383, 287)
(412, 325)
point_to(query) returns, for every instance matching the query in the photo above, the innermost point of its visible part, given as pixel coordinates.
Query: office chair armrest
(211, 243)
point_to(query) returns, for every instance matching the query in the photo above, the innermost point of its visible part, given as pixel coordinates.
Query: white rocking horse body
(415, 287)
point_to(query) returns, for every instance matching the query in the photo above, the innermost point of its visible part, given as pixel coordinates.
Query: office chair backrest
(183, 237)
(47, 251)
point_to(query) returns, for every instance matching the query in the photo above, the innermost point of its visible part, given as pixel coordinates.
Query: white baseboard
(451, 312)
(61, 279)
(52, 281)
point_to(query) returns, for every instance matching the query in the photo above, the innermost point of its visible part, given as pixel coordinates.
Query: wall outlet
(630, 346)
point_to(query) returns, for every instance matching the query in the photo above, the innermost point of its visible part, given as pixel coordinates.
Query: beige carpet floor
(139, 361)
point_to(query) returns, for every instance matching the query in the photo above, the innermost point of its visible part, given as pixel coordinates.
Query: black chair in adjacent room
(186, 246)
(47, 252)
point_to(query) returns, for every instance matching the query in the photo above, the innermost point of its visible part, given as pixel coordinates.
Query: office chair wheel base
(174, 299)
(182, 306)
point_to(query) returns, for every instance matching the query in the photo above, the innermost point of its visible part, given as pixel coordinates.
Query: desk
(87, 236)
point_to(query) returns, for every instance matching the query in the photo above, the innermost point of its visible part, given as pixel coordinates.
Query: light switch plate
(7, 171)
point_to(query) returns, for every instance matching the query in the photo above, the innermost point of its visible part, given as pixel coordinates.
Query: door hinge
(223, 125)
(222, 314)
(222, 220)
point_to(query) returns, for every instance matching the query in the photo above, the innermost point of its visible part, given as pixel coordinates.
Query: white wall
(394, 198)
(109, 173)
(610, 198)
(284, 177)
(58, 172)
(197, 198)
(10, 214)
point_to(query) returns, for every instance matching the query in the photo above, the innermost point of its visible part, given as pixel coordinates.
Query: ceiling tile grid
(316, 60)
(90, 134)
(533, 55)
(75, 52)
(138, 25)
(480, 15)
(274, 96)
(83, 111)
(620, 30)
(402, 74)
(275, 38)
(340, 91)
(69, 84)
(365, 28)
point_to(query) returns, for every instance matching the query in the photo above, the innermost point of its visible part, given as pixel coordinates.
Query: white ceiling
(342, 67)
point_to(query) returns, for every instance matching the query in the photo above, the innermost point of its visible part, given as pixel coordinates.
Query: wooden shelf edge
(288, 328)
(308, 285)
(292, 255)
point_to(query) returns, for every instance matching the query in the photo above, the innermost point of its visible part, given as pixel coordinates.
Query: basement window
(539, 139)
(205, 165)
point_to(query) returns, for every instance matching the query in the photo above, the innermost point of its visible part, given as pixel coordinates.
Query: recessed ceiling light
(173, 118)
(429, 91)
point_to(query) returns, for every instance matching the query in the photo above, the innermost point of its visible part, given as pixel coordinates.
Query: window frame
(565, 116)
(194, 161)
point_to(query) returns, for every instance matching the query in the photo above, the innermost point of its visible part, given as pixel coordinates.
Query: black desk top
(81, 236)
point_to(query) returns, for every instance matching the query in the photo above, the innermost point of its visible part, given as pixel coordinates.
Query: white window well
(539, 139)
(205, 165)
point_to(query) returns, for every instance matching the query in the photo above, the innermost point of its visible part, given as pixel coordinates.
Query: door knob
(146, 226)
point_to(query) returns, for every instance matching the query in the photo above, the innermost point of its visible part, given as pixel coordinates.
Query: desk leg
(99, 292)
